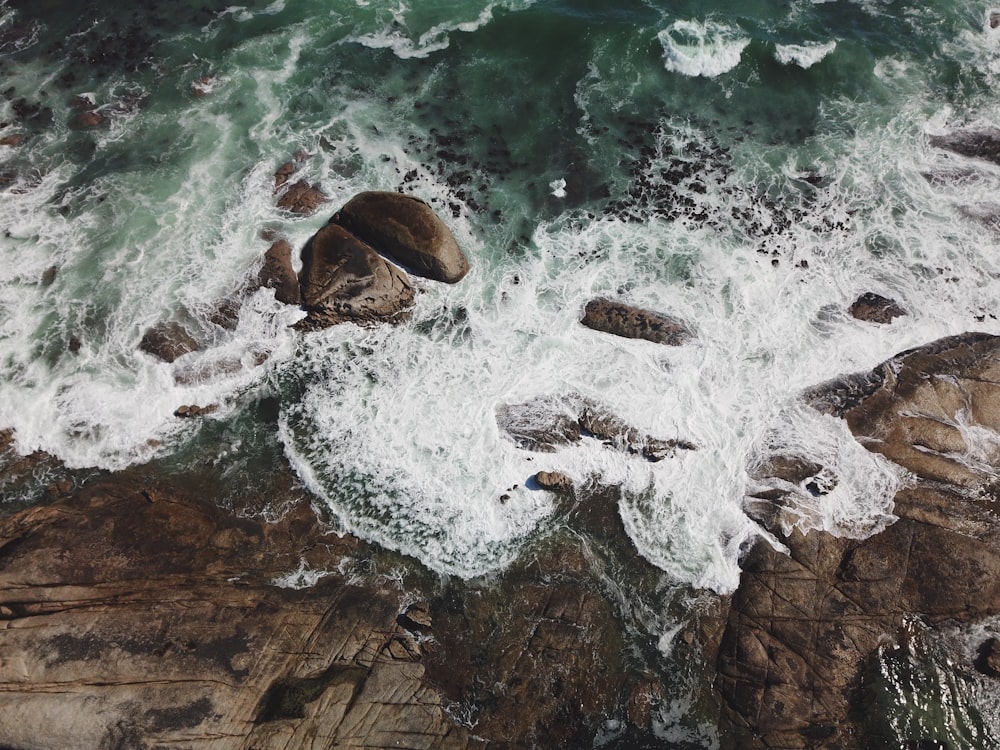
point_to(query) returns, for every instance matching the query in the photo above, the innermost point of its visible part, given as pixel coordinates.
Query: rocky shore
(139, 613)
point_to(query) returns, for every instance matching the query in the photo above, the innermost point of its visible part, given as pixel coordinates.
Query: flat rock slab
(628, 321)
(158, 624)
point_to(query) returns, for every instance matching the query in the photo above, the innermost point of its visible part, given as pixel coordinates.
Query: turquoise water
(748, 167)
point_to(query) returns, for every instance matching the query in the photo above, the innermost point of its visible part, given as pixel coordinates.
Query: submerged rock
(978, 144)
(343, 279)
(406, 230)
(302, 198)
(549, 423)
(168, 341)
(631, 322)
(804, 624)
(874, 308)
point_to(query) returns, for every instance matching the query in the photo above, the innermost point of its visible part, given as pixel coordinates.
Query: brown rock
(277, 273)
(555, 481)
(874, 308)
(284, 173)
(14, 139)
(406, 230)
(158, 624)
(49, 276)
(803, 626)
(343, 279)
(620, 319)
(87, 120)
(548, 423)
(203, 86)
(192, 410)
(168, 341)
(302, 198)
(988, 660)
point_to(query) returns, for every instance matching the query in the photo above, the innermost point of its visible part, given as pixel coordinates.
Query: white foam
(804, 55)
(400, 36)
(708, 48)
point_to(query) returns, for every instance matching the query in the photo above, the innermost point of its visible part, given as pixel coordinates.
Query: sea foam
(708, 48)
(804, 55)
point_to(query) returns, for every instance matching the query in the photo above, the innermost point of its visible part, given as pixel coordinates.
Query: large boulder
(343, 279)
(628, 321)
(806, 625)
(407, 230)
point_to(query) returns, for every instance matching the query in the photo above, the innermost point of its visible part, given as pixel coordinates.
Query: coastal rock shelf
(805, 627)
(168, 621)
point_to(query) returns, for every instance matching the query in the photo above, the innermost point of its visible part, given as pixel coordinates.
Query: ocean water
(750, 168)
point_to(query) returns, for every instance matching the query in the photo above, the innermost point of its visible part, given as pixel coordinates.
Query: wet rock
(988, 658)
(284, 173)
(994, 19)
(12, 140)
(168, 341)
(978, 144)
(302, 198)
(343, 279)
(49, 275)
(874, 308)
(628, 321)
(406, 230)
(825, 606)
(543, 424)
(548, 423)
(87, 120)
(74, 344)
(554, 481)
(277, 273)
(192, 410)
(204, 86)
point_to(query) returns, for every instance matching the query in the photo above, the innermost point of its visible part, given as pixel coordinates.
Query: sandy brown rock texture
(803, 626)
(137, 614)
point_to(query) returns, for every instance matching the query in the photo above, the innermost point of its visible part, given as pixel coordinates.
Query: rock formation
(406, 230)
(804, 625)
(977, 144)
(549, 423)
(631, 322)
(277, 273)
(158, 622)
(168, 341)
(302, 198)
(343, 279)
(874, 308)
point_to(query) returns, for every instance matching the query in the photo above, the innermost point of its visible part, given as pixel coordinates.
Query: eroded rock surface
(874, 308)
(135, 616)
(803, 625)
(406, 230)
(277, 273)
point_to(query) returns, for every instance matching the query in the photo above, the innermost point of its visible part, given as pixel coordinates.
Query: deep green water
(749, 167)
